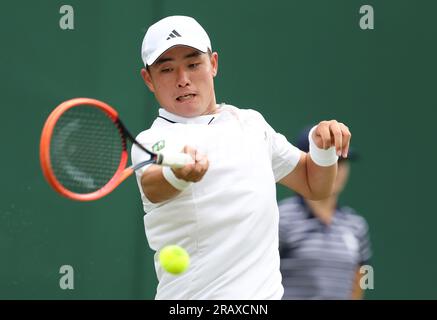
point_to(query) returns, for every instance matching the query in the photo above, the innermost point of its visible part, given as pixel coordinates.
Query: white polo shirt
(228, 221)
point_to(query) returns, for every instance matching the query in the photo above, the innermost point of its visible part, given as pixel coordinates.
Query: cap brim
(193, 43)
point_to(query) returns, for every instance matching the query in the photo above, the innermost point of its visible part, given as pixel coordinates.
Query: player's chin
(189, 109)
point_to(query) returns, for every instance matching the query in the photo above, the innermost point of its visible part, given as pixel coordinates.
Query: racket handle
(174, 159)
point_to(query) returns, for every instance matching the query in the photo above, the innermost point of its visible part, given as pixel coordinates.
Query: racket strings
(86, 149)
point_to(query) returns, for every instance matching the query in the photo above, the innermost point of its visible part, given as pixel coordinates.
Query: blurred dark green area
(297, 62)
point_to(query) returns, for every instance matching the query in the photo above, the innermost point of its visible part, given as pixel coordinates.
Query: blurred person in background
(322, 244)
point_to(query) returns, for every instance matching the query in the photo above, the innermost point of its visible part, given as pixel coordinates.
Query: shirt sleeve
(146, 138)
(138, 155)
(284, 155)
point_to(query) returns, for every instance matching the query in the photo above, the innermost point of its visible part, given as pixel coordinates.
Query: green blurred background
(297, 62)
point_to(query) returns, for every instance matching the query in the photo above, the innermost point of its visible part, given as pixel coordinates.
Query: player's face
(182, 81)
(342, 176)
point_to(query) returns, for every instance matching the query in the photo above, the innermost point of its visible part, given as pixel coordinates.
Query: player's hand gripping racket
(83, 150)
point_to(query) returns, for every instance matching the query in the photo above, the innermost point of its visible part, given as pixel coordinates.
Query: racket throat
(143, 163)
(159, 158)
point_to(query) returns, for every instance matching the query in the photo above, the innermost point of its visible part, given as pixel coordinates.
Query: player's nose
(182, 78)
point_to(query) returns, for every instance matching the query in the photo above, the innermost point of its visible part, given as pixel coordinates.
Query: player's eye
(166, 70)
(193, 65)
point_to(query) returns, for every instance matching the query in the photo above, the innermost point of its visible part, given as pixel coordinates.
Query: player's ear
(145, 74)
(214, 63)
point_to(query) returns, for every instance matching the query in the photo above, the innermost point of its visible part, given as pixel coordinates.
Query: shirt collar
(170, 117)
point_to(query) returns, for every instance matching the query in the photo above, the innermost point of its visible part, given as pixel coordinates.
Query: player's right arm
(157, 189)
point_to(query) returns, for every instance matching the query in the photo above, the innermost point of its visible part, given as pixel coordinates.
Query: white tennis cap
(170, 32)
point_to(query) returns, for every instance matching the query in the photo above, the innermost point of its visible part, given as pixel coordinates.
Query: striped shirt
(319, 261)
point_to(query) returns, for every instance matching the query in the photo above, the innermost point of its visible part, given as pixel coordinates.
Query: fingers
(323, 134)
(333, 134)
(200, 167)
(193, 172)
(191, 151)
(337, 137)
(346, 139)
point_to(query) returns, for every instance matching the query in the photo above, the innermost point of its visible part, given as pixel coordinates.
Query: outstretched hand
(332, 134)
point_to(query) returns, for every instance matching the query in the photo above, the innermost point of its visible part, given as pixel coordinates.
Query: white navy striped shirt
(319, 261)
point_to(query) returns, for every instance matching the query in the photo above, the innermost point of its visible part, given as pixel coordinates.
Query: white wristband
(173, 180)
(321, 157)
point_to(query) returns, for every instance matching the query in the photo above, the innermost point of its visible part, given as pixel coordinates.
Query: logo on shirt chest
(158, 146)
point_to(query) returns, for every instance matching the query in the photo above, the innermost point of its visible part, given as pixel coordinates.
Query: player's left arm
(314, 181)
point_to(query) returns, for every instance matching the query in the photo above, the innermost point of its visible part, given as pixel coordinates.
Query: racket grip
(175, 159)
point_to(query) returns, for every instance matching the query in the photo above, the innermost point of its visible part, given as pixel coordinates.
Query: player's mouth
(186, 97)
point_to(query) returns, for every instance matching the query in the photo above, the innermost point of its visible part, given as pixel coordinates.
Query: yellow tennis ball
(174, 259)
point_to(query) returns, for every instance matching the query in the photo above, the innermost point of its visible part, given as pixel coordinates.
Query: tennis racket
(83, 150)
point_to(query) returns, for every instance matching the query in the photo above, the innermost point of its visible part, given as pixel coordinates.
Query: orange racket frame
(120, 175)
